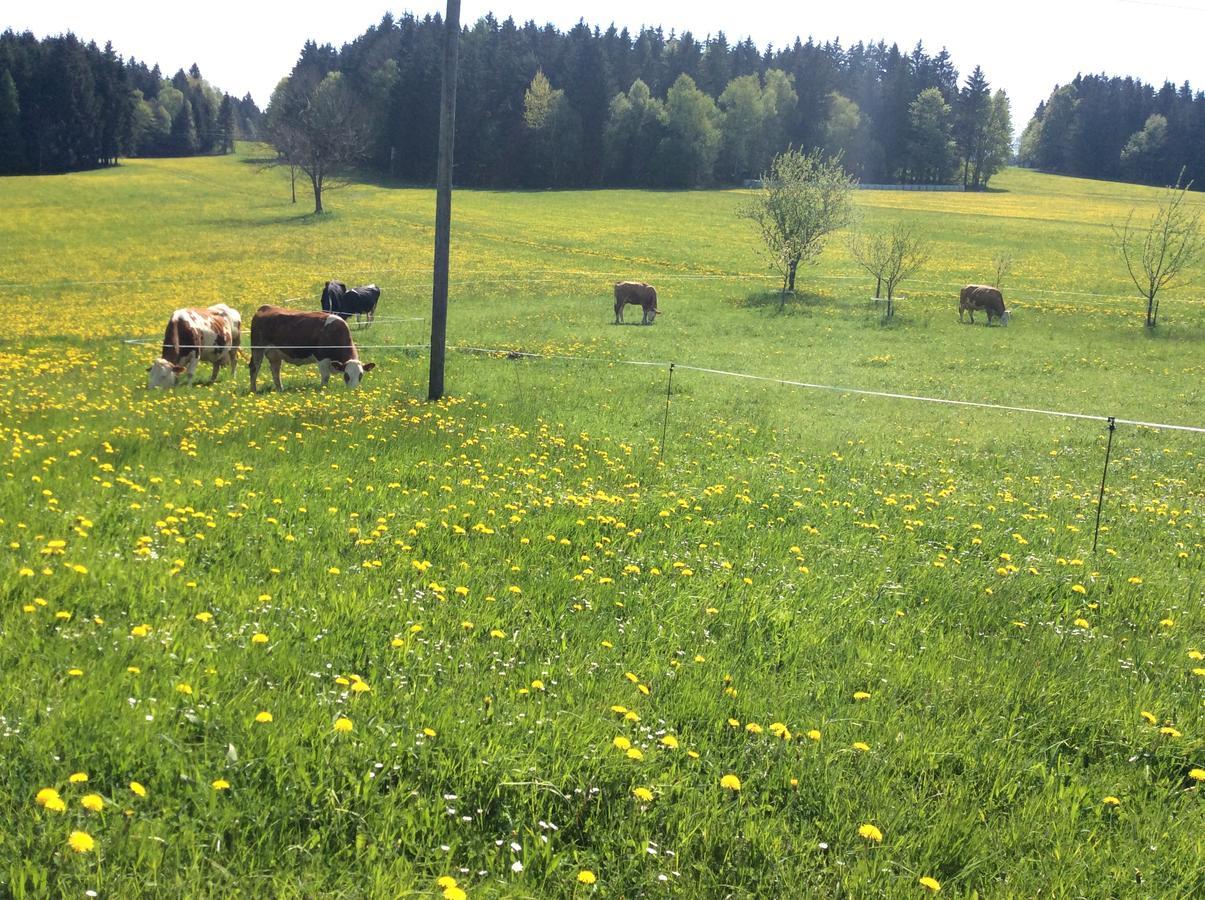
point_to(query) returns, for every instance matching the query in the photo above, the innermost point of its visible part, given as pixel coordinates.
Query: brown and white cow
(982, 298)
(638, 294)
(193, 336)
(300, 338)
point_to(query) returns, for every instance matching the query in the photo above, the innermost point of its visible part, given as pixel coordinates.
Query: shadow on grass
(790, 303)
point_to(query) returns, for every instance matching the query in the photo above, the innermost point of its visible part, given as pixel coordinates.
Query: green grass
(792, 548)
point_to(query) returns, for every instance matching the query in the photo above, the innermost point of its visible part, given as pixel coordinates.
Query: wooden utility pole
(443, 201)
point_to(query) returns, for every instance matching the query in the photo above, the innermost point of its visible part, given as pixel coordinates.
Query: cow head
(1004, 318)
(163, 374)
(353, 371)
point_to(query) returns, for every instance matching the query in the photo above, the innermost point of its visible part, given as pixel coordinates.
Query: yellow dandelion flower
(1111, 801)
(930, 884)
(81, 842)
(861, 695)
(870, 833)
(78, 778)
(813, 735)
(75, 673)
(184, 688)
(259, 638)
(220, 784)
(585, 876)
(343, 725)
(263, 718)
(1169, 731)
(753, 728)
(1196, 774)
(619, 710)
(730, 782)
(45, 795)
(454, 893)
(430, 732)
(497, 633)
(537, 685)
(1082, 623)
(861, 746)
(621, 743)
(634, 753)
(140, 631)
(445, 881)
(1079, 589)
(1150, 717)
(669, 741)
(92, 802)
(204, 617)
(360, 687)
(643, 794)
(138, 789)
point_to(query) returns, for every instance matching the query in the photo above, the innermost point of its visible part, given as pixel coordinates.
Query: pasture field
(352, 643)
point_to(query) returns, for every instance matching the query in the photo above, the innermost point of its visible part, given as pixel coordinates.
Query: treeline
(1119, 129)
(538, 107)
(66, 105)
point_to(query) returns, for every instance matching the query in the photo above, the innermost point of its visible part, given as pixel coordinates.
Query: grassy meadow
(355, 644)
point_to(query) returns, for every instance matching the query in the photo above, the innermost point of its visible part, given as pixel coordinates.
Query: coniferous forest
(593, 107)
(67, 105)
(1119, 129)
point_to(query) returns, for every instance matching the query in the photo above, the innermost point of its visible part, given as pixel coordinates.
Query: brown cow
(286, 335)
(984, 299)
(194, 335)
(638, 294)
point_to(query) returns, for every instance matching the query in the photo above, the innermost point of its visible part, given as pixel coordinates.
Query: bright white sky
(1024, 46)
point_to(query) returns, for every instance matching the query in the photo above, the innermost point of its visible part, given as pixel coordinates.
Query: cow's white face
(353, 371)
(162, 374)
(1004, 318)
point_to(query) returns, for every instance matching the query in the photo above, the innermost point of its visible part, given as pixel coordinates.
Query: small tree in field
(1003, 264)
(891, 257)
(319, 131)
(803, 199)
(1163, 253)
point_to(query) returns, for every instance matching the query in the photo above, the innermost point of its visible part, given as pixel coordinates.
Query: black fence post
(665, 422)
(1100, 501)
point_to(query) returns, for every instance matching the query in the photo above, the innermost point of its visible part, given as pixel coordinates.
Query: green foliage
(932, 155)
(803, 199)
(692, 140)
(12, 142)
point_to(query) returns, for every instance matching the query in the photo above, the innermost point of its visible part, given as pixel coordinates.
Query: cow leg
(618, 313)
(190, 368)
(257, 358)
(324, 370)
(275, 365)
(217, 364)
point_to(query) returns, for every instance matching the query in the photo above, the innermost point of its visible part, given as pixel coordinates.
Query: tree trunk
(791, 275)
(878, 286)
(293, 181)
(1150, 311)
(317, 182)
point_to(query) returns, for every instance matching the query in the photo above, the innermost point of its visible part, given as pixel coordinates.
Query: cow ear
(336, 365)
(368, 367)
(148, 368)
(177, 369)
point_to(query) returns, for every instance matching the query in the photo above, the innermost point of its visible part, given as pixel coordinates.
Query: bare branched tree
(891, 257)
(1003, 264)
(803, 199)
(320, 132)
(1162, 254)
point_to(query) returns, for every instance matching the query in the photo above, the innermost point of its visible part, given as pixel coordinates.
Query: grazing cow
(286, 335)
(194, 335)
(638, 294)
(984, 299)
(361, 301)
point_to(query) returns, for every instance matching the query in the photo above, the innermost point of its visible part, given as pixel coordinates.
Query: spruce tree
(12, 143)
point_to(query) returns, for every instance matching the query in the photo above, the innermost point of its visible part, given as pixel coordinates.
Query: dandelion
(140, 631)
(861, 695)
(343, 725)
(585, 876)
(621, 743)
(78, 778)
(1111, 801)
(634, 754)
(930, 884)
(1082, 623)
(753, 728)
(730, 783)
(50, 799)
(360, 687)
(669, 742)
(92, 802)
(643, 794)
(870, 833)
(1196, 774)
(861, 747)
(1150, 717)
(75, 673)
(81, 842)
(430, 732)
(1079, 589)
(454, 893)
(184, 688)
(263, 718)
(497, 633)
(259, 638)
(537, 685)
(204, 617)
(445, 882)
(1168, 731)
(813, 735)
(220, 784)
(138, 789)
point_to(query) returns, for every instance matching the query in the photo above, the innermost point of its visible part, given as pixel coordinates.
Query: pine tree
(970, 129)
(183, 138)
(12, 144)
